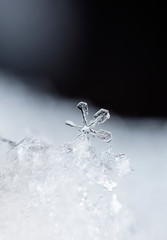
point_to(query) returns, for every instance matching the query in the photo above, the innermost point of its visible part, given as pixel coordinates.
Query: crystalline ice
(84, 109)
(104, 135)
(87, 129)
(63, 192)
(107, 183)
(70, 123)
(101, 116)
(122, 164)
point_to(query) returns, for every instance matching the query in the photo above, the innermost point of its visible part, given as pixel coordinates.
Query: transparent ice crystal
(64, 192)
(87, 129)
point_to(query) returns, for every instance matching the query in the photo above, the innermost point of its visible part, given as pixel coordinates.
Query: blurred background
(112, 55)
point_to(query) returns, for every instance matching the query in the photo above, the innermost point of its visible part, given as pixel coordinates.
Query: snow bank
(49, 191)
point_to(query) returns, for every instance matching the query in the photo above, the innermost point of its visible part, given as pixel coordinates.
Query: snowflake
(87, 128)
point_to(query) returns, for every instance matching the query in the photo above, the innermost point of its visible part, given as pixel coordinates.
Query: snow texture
(75, 190)
(60, 193)
(60, 188)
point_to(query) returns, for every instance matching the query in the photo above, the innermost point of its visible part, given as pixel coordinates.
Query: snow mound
(64, 192)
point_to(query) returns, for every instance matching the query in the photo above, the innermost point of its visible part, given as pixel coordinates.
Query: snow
(48, 191)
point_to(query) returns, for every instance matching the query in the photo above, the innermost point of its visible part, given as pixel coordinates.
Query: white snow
(38, 197)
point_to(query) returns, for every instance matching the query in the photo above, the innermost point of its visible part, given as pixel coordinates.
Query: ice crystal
(63, 192)
(87, 129)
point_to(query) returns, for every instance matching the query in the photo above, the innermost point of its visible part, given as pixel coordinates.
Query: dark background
(112, 55)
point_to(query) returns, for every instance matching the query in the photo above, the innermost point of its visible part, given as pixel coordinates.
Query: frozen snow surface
(54, 186)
